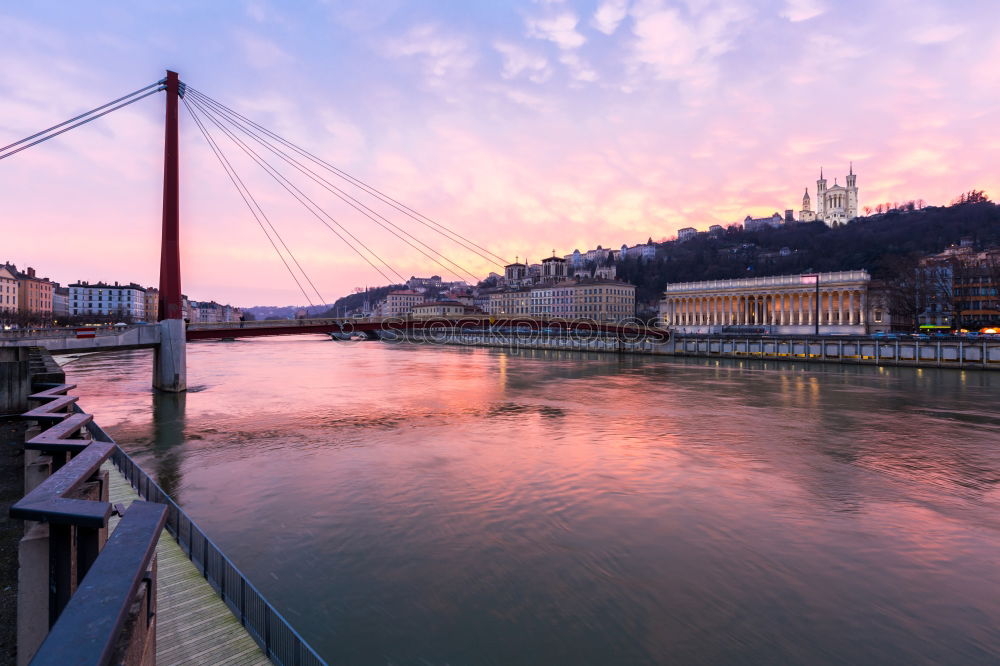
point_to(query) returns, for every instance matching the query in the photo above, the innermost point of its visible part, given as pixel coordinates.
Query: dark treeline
(873, 243)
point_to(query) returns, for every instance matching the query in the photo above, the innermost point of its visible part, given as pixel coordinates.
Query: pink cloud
(680, 114)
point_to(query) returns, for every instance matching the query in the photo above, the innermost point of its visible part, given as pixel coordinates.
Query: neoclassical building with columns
(783, 304)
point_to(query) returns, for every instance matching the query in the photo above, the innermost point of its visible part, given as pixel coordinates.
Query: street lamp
(813, 278)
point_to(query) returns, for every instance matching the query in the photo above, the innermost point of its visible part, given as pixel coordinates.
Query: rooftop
(105, 285)
(772, 281)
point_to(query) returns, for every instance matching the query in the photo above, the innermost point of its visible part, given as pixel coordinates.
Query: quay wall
(982, 354)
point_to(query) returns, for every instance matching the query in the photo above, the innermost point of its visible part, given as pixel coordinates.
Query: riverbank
(981, 354)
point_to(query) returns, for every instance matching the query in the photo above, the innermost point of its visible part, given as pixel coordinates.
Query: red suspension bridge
(287, 163)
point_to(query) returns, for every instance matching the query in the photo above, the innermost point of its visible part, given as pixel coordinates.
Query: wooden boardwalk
(194, 626)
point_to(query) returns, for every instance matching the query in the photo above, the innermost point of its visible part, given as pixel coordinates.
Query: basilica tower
(852, 194)
(821, 196)
(806, 214)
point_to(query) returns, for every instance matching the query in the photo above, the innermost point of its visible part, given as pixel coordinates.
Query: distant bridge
(86, 339)
(374, 327)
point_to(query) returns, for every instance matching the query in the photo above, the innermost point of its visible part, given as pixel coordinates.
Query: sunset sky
(527, 126)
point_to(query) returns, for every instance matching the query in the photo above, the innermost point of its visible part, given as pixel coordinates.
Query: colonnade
(837, 307)
(836, 201)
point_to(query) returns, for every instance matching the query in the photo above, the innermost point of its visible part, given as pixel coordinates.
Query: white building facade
(401, 302)
(107, 300)
(784, 304)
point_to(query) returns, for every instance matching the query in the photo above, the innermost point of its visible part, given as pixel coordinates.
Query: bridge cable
(381, 196)
(301, 197)
(385, 198)
(247, 199)
(352, 201)
(47, 136)
(355, 203)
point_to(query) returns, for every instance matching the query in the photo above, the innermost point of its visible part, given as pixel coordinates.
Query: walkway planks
(194, 626)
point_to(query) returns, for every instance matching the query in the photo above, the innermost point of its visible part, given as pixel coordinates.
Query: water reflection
(406, 504)
(167, 440)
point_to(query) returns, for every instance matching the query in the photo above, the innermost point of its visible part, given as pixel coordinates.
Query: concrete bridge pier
(170, 357)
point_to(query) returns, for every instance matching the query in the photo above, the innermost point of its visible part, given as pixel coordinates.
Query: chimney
(31, 272)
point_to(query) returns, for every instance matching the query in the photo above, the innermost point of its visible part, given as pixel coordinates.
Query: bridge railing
(268, 323)
(78, 594)
(271, 631)
(58, 332)
(348, 321)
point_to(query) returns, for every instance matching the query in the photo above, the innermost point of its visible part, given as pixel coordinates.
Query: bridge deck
(193, 626)
(215, 331)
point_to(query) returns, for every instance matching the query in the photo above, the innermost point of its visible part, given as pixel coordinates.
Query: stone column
(850, 302)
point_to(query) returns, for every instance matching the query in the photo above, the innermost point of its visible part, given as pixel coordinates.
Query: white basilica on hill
(835, 205)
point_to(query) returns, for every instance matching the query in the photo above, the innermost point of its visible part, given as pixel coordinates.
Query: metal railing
(399, 320)
(91, 586)
(271, 631)
(58, 332)
(90, 629)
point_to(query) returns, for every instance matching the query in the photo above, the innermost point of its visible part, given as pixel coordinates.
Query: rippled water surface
(432, 505)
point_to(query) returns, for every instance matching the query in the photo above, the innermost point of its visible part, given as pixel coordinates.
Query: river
(405, 504)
